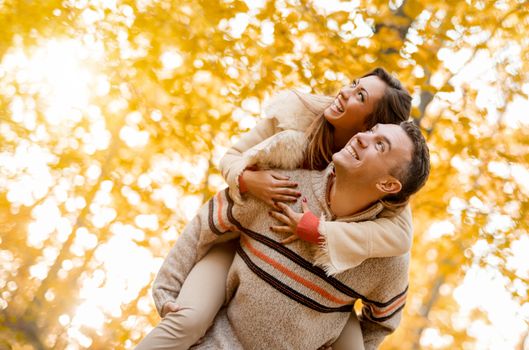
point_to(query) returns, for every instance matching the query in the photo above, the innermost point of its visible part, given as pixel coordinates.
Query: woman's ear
(389, 185)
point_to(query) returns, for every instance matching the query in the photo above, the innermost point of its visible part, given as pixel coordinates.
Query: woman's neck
(341, 137)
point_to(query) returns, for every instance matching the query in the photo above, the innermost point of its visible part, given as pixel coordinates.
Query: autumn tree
(116, 113)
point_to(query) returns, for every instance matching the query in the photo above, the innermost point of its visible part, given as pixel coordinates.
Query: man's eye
(381, 146)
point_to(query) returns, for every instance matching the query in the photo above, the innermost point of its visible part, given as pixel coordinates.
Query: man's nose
(362, 139)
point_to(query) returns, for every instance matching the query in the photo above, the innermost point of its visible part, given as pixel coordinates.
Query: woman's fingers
(281, 229)
(287, 192)
(284, 183)
(304, 205)
(278, 176)
(282, 198)
(271, 203)
(290, 239)
(286, 210)
(280, 216)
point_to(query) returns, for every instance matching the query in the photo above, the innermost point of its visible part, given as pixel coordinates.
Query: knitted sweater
(278, 141)
(276, 297)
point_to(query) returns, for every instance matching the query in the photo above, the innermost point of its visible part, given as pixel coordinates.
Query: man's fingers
(290, 239)
(281, 229)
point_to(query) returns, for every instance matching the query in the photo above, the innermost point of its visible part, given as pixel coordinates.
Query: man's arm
(377, 321)
(351, 335)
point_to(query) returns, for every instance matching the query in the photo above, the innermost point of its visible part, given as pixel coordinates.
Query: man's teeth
(351, 150)
(338, 105)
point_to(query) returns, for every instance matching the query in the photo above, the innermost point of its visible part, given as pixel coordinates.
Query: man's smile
(349, 148)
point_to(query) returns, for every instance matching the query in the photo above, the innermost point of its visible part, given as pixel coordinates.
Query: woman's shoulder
(294, 109)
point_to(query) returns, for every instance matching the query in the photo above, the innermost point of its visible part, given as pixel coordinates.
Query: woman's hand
(290, 219)
(270, 186)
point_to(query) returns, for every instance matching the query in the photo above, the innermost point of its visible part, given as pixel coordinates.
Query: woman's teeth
(338, 105)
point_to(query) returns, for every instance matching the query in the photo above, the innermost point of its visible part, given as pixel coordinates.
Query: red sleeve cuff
(307, 228)
(242, 184)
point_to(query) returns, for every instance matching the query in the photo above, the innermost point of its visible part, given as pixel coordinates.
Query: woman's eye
(362, 98)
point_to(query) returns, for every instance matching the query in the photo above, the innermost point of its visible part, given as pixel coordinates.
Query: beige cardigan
(278, 142)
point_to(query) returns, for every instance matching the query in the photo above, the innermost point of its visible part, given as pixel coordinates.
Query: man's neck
(346, 200)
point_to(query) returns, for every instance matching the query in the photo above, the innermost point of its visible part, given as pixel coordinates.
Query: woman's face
(354, 103)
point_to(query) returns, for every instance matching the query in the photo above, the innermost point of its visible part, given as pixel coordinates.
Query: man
(278, 298)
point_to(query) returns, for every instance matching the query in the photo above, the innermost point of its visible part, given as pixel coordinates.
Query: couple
(299, 293)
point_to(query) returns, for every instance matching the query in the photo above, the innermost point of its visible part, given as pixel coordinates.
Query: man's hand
(169, 307)
(290, 218)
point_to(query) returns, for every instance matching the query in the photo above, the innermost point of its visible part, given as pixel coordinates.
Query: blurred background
(114, 115)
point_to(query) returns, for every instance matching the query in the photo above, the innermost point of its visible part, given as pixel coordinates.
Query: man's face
(369, 157)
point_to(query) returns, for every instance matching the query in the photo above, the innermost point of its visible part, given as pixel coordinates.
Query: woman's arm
(233, 163)
(346, 245)
(288, 110)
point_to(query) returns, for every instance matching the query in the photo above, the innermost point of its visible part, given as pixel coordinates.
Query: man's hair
(413, 174)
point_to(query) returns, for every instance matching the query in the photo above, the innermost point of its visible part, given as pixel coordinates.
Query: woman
(329, 123)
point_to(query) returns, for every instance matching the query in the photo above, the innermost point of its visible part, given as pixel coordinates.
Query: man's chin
(338, 158)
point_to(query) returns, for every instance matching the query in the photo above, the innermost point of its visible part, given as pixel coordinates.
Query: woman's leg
(200, 298)
(351, 336)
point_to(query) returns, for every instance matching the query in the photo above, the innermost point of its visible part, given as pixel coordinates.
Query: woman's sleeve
(344, 245)
(233, 163)
(287, 110)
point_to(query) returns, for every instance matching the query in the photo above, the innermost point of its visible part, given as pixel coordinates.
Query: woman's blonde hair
(394, 107)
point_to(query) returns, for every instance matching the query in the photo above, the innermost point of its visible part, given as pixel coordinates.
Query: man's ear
(389, 185)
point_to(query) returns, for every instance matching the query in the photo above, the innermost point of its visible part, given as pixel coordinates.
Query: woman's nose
(347, 91)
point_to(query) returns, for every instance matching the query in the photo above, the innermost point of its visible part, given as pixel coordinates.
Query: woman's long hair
(394, 107)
